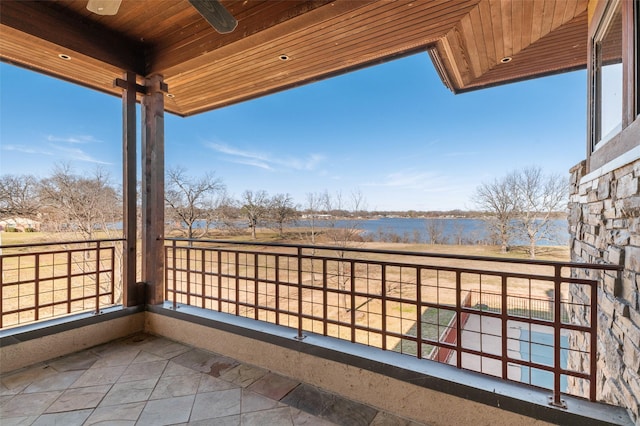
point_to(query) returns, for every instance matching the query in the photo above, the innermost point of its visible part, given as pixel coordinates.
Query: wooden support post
(153, 190)
(129, 273)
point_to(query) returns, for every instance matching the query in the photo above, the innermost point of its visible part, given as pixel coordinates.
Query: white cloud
(254, 163)
(25, 149)
(266, 161)
(68, 153)
(80, 139)
(80, 155)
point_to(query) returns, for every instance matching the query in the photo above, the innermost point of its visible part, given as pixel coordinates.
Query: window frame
(600, 152)
(597, 138)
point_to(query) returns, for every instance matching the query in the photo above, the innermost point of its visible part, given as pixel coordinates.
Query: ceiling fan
(211, 10)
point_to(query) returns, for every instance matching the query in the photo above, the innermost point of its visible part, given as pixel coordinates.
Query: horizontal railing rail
(51, 279)
(355, 249)
(511, 318)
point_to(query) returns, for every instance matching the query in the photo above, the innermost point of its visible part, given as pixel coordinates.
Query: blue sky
(392, 131)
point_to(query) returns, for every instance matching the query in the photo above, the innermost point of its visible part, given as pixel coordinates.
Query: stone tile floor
(149, 380)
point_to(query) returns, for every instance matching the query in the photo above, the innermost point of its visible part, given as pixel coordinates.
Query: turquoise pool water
(539, 349)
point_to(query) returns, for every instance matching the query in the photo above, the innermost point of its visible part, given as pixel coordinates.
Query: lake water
(471, 231)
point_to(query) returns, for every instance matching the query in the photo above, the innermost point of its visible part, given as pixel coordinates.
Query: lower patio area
(150, 380)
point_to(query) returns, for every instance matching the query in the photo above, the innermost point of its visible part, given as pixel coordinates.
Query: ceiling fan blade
(216, 15)
(104, 7)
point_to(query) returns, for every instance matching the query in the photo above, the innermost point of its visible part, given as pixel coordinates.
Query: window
(608, 75)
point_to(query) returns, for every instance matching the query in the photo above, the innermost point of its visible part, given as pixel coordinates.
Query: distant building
(20, 224)
(316, 216)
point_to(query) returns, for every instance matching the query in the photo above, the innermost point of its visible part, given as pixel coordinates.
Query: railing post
(383, 290)
(188, 250)
(593, 349)
(69, 259)
(37, 288)
(237, 274)
(174, 249)
(419, 315)
(325, 298)
(113, 270)
(277, 280)
(299, 336)
(505, 329)
(352, 299)
(458, 319)
(203, 276)
(556, 399)
(256, 271)
(97, 277)
(220, 280)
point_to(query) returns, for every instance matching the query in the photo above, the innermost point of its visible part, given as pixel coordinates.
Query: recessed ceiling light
(65, 57)
(284, 57)
(506, 59)
(171, 95)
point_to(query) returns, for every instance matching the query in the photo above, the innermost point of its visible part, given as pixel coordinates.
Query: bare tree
(19, 196)
(190, 200)
(500, 201)
(255, 206)
(228, 214)
(341, 235)
(315, 206)
(358, 202)
(86, 205)
(540, 196)
(435, 231)
(281, 211)
(314, 215)
(80, 203)
(345, 232)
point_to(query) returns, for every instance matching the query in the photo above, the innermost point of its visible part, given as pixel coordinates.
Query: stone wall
(604, 223)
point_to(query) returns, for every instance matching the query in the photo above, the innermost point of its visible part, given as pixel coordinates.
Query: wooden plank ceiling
(282, 44)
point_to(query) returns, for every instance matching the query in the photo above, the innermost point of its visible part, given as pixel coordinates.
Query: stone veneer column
(604, 223)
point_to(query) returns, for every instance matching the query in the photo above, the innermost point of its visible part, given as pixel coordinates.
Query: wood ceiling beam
(73, 33)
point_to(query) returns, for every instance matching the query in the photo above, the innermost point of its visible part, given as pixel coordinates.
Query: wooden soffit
(283, 44)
